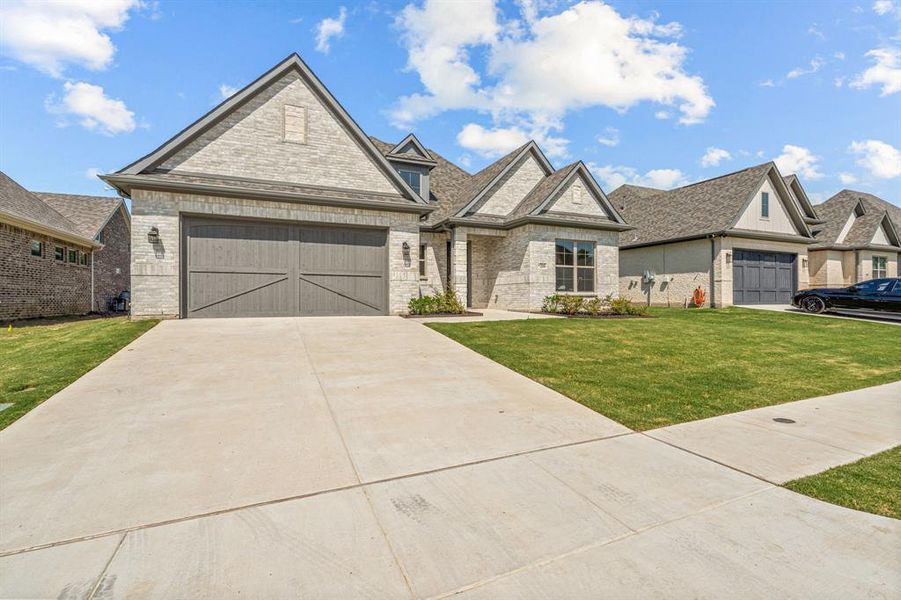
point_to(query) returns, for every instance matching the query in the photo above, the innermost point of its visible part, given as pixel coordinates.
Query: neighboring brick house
(742, 238)
(60, 254)
(858, 240)
(277, 203)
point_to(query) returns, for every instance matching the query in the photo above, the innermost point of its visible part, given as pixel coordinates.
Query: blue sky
(653, 93)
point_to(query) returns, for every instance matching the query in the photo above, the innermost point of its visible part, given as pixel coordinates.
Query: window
(422, 260)
(73, 256)
(874, 286)
(574, 263)
(412, 178)
(37, 248)
(100, 236)
(878, 267)
(765, 205)
(84, 258)
(59, 253)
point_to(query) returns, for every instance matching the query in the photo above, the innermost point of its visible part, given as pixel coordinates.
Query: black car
(876, 297)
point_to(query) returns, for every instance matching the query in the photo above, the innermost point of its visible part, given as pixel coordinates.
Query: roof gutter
(126, 183)
(59, 234)
(526, 220)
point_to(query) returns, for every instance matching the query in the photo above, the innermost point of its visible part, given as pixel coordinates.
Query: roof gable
(578, 192)
(866, 213)
(779, 219)
(797, 191)
(410, 148)
(485, 181)
(288, 98)
(89, 214)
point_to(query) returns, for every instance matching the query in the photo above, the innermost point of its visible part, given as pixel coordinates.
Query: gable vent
(295, 124)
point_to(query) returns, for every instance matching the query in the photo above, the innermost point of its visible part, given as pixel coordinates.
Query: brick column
(458, 263)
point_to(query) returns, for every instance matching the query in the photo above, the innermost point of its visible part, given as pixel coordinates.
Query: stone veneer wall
(155, 269)
(40, 286)
(112, 263)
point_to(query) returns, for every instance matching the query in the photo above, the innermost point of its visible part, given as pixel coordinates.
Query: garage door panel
(257, 268)
(335, 294)
(762, 277)
(229, 295)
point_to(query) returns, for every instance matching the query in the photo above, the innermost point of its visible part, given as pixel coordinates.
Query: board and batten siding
(778, 221)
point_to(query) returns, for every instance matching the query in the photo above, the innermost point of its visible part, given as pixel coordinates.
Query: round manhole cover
(783, 420)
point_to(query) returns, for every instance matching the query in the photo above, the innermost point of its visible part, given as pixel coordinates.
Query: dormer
(413, 163)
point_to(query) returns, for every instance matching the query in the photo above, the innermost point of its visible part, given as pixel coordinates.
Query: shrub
(444, 302)
(594, 306)
(624, 306)
(571, 305)
(551, 303)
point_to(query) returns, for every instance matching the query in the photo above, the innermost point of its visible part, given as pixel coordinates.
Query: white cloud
(611, 177)
(883, 7)
(767, 83)
(226, 91)
(886, 72)
(491, 143)
(847, 178)
(498, 141)
(839, 56)
(93, 108)
(51, 35)
(544, 66)
(662, 115)
(610, 137)
(714, 156)
(838, 82)
(881, 160)
(92, 173)
(816, 32)
(798, 160)
(329, 28)
(815, 65)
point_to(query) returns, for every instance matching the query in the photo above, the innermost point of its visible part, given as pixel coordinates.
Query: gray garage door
(237, 268)
(762, 277)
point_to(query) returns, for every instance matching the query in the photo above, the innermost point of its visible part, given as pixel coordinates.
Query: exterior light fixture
(728, 258)
(153, 236)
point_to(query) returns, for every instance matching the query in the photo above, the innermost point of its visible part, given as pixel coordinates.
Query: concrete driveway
(372, 457)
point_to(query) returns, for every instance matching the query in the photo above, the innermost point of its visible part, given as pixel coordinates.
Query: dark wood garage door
(237, 268)
(762, 277)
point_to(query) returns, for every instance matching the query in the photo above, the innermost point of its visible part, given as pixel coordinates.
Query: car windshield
(873, 286)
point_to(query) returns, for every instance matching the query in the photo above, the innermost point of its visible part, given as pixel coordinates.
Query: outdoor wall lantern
(405, 248)
(728, 258)
(153, 236)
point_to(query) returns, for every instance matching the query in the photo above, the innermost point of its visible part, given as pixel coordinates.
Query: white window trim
(575, 268)
(883, 271)
(765, 217)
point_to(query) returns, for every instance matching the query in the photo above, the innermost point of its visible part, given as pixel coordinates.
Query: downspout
(92, 280)
(712, 269)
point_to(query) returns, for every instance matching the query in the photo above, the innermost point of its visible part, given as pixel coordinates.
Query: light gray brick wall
(250, 142)
(155, 268)
(513, 187)
(515, 269)
(577, 198)
(435, 279)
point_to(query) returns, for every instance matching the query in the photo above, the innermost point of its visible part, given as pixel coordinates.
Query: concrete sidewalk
(825, 432)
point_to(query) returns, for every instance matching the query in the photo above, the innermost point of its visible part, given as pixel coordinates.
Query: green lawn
(872, 484)
(689, 364)
(36, 361)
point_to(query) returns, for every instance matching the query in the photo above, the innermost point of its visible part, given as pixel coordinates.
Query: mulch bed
(442, 315)
(602, 316)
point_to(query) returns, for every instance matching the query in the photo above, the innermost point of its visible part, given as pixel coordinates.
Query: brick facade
(112, 262)
(155, 268)
(32, 286)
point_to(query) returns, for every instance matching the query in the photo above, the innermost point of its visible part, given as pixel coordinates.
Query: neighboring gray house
(60, 254)
(742, 238)
(277, 203)
(858, 240)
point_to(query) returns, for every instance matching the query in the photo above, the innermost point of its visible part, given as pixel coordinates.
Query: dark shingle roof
(452, 189)
(836, 210)
(88, 213)
(19, 202)
(708, 206)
